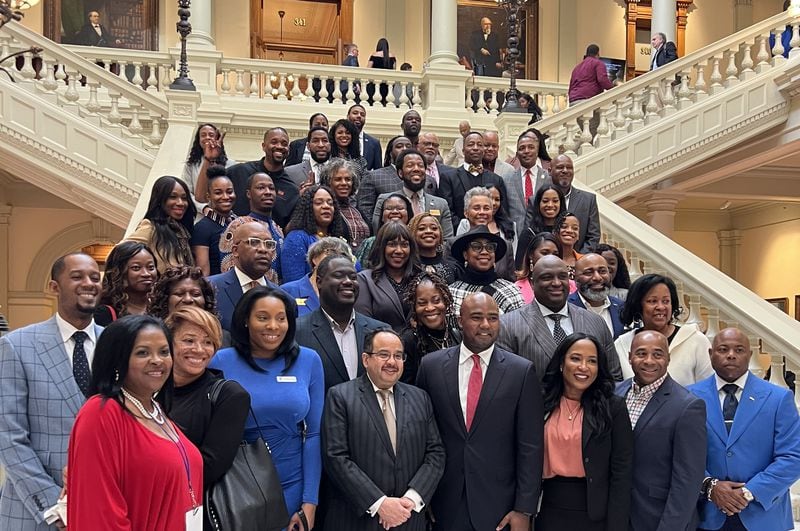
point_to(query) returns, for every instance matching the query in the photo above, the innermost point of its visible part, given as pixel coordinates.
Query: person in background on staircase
(455, 157)
(589, 78)
(207, 149)
(663, 51)
(617, 268)
(207, 231)
(168, 223)
(653, 304)
(129, 275)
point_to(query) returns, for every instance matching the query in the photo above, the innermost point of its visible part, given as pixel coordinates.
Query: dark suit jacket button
(586, 460)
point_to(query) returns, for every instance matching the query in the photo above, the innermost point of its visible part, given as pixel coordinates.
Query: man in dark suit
(44, 381)
(485, 50)
(276, 147)
(380, 444)
(370, 146)
(411, 124)
(298, 152)
(382, 180)
(535, 330)
(429, 146)
(663, 51)
(488, 405)
(753, 453)
(335, 330)
(669, 429)
(352, 56)
(581, 203)
(95, 34)
(319, 146)
(252, 246)
(452, 187)
(594, 285)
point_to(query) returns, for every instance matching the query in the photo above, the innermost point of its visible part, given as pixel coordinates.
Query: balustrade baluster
(777, 48)
(295, 93)
(684, 90)
(545, 105)
(155, 135)
(349, 95)
(417, 100)
(253, 89)
(585, 134)
(713, 323)
(635, 270)
(695, 310)
(716, 77)
(137, 75)
(49, 82)
(651, 109)
(323, 90)
(337, 92)
(747, 62)
(556, 103)
(571, 140)
(794, 44)
(468, 104)
(93, 106)
(135, 126)
(113, 115)
(700, 87)
(404, 101)
(493, 104)
(27, 71)
(391, 101)
(71, 95)
(667, 98)
(776, 366)
(5, 48)
(620, 122)
(759, 363)
(152, 81)
(238, 87)
(309, 93)
(225, 86)
(636, 114)
(762, 58)
(732, 72)
(605, 127)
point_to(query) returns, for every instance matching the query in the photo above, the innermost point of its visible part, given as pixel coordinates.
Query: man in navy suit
(253, 247)
(664, 51)
(370, 146)
(753, 443)
(669, 429)
(298, 149)
(44, 379)
(594, 285)
(488, 405)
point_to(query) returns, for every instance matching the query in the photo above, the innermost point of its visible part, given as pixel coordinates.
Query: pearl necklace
(155, 415)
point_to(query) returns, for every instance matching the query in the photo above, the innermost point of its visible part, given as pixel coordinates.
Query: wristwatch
(747, 494)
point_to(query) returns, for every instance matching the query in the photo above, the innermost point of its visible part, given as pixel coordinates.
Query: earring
(116, 376)
(561, 369)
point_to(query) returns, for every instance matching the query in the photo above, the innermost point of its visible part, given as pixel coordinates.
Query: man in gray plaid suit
(44, 378)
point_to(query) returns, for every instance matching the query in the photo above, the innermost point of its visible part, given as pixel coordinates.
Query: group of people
(419, 345)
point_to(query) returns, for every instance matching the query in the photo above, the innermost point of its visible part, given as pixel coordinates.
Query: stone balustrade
(151, 71)
(487, 94)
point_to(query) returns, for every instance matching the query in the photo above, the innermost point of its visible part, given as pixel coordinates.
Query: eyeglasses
(478, 246)
(384, 356)
(430, 144)
(256, 243)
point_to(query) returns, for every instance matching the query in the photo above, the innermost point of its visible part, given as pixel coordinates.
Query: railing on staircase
(640, 121)
(710, 298)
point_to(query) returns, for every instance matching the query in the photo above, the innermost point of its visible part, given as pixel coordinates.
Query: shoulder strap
(112, 311)
(214, 391)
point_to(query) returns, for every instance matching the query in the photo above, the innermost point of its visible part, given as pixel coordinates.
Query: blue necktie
(729, 404)
(80, 363)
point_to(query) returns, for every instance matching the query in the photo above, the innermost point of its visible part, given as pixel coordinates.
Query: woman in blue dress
(287, 390)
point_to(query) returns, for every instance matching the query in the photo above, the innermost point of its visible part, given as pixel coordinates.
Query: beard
(414, 187)
(593, 295)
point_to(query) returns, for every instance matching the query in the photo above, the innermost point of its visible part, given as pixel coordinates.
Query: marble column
(661, 210)
(444, 31)
(730, 241)
(202, 20)
(664, 18)
(5, 253)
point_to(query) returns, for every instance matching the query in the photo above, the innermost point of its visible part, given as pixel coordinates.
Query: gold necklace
(571, 414)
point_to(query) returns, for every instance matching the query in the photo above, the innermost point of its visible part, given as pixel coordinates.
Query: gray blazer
(502, 168)
(435, 206)
(34, 371)
(298, 173)
(516, 194)
(359, 458)
(376, 182)
(379, 300)
(525, 332)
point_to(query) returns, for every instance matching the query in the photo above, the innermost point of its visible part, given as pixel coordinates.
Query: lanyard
(184, 458)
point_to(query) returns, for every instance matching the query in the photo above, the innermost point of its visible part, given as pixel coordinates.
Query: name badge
(300, 302)
(435, 212)
(287, 379)
(194, 519)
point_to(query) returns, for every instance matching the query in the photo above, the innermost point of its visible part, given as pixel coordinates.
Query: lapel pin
(751, 398)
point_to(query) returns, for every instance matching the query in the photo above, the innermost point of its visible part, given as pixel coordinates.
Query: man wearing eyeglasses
(253, 249)
(381, 444)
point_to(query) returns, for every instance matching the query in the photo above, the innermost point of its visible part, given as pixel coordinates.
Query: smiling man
(669, 436)
(44, 381)
(276, 148)
(381, 445)
(319, 147)
(535, 330)
(594, 287)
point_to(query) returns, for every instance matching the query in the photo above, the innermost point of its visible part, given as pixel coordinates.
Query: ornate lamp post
(512, 8)
(182, 82)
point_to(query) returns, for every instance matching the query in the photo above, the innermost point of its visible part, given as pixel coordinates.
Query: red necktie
(474, 389)
(528, 186)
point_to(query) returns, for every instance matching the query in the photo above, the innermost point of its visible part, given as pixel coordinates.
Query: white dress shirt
(347, 343)
(740, 383)
(602, 310)
(465, 369)
(66, 330)
(244, 280)
(566, 322)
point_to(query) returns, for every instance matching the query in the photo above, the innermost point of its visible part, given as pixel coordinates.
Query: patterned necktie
(729, 404)
(80, 363)
(388, 416)
(528, 186)
(252, 284)
(415, 203)
(474, 389)
(475, 168)
(558, 333)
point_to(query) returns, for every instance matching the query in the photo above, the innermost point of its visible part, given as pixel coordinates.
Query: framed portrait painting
(129, 24)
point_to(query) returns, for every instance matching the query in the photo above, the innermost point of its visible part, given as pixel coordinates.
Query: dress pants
(564, 506)
(732, 523)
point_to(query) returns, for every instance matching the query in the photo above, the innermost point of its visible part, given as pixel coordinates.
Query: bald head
(649, 356)
(480, 321)
(730, 354)
(551, 282)
(253, 260)
(593, 278)
(463, 127)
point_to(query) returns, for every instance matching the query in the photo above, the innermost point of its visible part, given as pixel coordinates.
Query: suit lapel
(232, 288)
(384, 285)
(516, 186)
(400, 412)
(450, 372)
(465, 178)
(753, 399)
(360, 327)
(586, 433)
(370, 401)
(494, 375)
(53, 355)
(542, 333)
(656, 402)
(322, 331)
(708, 391)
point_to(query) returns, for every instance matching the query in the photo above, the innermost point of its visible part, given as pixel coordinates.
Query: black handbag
(249, 497)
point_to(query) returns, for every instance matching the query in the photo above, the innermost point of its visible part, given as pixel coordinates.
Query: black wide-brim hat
(481, 231)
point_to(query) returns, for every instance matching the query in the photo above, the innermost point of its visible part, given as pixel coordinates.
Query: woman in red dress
(130, 468)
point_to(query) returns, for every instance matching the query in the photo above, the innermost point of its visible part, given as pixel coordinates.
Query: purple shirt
(589, 78)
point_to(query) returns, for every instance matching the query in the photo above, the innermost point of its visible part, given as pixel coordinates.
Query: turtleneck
(477, 278)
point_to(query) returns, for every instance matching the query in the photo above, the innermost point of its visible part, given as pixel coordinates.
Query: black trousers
(732, 523)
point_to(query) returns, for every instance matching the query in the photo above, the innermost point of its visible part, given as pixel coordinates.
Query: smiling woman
(130, 273)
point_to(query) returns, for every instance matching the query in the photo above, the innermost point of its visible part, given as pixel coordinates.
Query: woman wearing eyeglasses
(479, 249)
(315, 216)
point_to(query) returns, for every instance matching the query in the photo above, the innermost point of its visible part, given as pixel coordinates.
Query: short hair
(477, 191)
(158, 305)
(58, 266)
(592, 50)
(113, 352)
(563, 215)
(395, 195)
(469, 134)
(632, 310)
(324, 265)
(240, 333)
(311, 120)
(369, 338)
(405, 66)
(405, 153)
(332, 167)
(387, 156)
(354, 106)
(543, 155)
(273, 129)
(252, 176)
(196, 316)
(328, 245)
(316, 128)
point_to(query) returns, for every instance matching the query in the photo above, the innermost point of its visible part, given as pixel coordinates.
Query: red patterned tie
(528, 186)
(474, 389)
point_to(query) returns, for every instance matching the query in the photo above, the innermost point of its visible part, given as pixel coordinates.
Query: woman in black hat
(479, 249)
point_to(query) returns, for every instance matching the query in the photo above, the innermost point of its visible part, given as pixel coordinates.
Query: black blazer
(87, 36)
(296, 150)
(666, 54)
(371, 151)
(359, 458)
(608, 463)
(314, 331)
(669, 459)
(496, 467)
(453, 186)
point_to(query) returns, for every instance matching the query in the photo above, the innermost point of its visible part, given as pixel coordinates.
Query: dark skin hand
(728, 496)
(516, 521)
